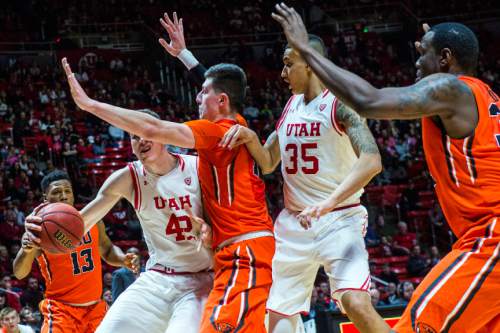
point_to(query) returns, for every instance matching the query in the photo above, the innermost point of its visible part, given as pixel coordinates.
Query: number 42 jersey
(161, 204)
(316, 154)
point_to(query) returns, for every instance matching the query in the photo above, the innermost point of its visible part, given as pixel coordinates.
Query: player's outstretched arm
(117, 186)
(368, 165)
(267, 156)
(138, 123)
(436, 95)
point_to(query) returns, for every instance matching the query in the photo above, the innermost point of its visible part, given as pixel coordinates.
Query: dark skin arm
(441, 95)
(112, 254)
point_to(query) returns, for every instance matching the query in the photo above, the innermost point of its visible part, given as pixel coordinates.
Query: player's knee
(357, 302)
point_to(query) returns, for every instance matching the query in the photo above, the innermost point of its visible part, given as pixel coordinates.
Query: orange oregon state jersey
(233, 194)
(467, 171)
(75, 277)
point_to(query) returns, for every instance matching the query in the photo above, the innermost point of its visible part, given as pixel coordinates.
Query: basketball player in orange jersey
(233, 195)
(73, 282)
(461, 138)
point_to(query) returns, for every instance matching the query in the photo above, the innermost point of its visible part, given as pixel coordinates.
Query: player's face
(11, 321)
(60, 191)
(145, 150)
(428, 62)
(208, 101)
(295, 71)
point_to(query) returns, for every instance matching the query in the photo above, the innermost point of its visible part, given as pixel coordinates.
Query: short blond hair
(6, 311)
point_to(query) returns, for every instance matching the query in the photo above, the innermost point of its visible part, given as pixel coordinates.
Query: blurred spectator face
(107, 279)
(60, 191)
(10, 320)
(386, 269)
(26, 315)
(7, 282)
(145, 150)
(3, 252)
(295, 71)
(10, 216)
(375, 296)
(402, 228)
(33, 284)
(3, 299)
(407, 290)
(416, 250)
(391, 288)
(325, 288)
(107, 296)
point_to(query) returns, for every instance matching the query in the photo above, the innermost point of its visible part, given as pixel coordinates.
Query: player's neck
(314, 88)
(162, 165)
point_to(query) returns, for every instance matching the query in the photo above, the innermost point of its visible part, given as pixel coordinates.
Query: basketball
(62, 228)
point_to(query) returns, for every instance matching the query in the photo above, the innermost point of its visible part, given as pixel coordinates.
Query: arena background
(113, 46)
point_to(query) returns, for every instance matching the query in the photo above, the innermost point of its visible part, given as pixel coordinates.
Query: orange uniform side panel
(466, 171)
(62, 318)
(237, 302)
(233, 193)
(75, 277)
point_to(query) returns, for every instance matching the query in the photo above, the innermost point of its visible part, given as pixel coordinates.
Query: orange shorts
(237, 302)
(62, 318)
(459, 295)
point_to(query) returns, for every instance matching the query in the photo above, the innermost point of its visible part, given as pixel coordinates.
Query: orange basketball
(62, 228)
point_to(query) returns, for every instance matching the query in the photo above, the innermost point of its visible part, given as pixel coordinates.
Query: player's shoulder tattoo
(439, 87)
(356, 129)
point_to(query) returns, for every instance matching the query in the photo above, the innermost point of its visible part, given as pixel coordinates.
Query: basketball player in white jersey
(328, 155)
(165, 192)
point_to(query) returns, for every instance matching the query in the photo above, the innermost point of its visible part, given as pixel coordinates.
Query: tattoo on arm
(431, 96)
(357, 130)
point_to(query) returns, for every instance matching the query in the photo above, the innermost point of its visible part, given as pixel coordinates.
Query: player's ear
(446, 57)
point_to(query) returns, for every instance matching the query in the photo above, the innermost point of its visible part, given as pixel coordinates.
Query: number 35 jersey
(161, 204)
(316, 155)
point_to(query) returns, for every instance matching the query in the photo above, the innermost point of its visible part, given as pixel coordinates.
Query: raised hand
(293, 26)
(79, 95)
(30, 241)
(175, 30)
(236, 136)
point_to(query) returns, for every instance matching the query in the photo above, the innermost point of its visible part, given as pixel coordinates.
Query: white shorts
(159, 303)
(334, 241)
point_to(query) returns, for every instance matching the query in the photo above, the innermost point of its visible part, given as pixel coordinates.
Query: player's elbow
(366, 104)
(375, 164)
(151, 130)
(19, 272)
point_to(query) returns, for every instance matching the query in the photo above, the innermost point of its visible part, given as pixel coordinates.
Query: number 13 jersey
(161, 204)
(316, 155)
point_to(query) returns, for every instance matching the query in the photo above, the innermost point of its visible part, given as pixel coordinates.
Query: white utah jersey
(316, 155)
(160, 202)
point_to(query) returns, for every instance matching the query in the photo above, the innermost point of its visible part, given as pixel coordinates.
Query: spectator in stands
(84, 190)
(435, 256)
(30, 318)
(9, 230)
(309, 318)
(403, 240)
(390, 294)
(107, 296)
(5, 261)
(372, 239)
(10, 322)
(375, 297)
(107, 280)
(123, 277)
(8, 298)
(436, 215)
(405, 290)
(325, 302)
(418, 265)
(388, 275)
(32, 295)
(409, 199)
